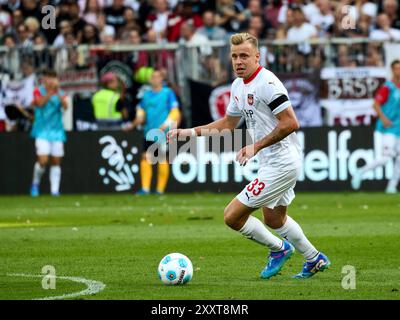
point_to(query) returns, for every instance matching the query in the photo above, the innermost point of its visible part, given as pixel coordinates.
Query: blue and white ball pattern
(175, 269)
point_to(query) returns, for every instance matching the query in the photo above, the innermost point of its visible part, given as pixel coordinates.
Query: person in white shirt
(324, 18)
(384, 31)
(260, 97)
(301, 31)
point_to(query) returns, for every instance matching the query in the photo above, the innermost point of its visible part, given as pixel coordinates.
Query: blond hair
(239, 38)
(32, 24)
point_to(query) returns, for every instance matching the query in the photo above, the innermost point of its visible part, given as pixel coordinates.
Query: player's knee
(43, 162)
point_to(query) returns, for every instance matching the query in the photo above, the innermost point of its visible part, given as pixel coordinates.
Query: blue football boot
(142, 192)
(311, 268)
(276, 260)
(34, 190)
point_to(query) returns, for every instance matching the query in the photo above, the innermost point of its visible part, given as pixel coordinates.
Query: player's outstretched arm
(227, 122)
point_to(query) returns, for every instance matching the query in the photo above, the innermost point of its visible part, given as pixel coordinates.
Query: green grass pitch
(120, 239)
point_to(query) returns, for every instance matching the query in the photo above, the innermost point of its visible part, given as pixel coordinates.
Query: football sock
(374, 164)
(394, 180)
(55, 178)
(146, 173)
(295, 235)
(38, 171)
(255, 230)
(162, 176)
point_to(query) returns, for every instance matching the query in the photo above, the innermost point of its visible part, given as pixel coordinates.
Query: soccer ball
(175, 269)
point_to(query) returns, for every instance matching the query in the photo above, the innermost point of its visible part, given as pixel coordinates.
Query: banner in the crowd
(302, 89)
(79, 81)
(109, 162)
(347, 94)
(18, 92)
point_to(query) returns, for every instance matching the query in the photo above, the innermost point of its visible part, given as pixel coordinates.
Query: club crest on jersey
(250, 99)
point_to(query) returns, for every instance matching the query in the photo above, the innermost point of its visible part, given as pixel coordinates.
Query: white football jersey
(259, 98)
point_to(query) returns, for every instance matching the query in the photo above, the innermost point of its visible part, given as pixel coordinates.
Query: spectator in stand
(300, 56)
(115, 14)
(90, 35)
(102, 23)
(301, 31)
(183, 12)
(344, 59)
(77, 22)
(41, 56)
(384, 31)
(66, 58)
(130, 19)
(189, 36)
(261, 24)
(10, 59)
(158, 17)
(210, 29)
(33, 27)
(258, 26)
(271, 12)
(364, 25)
(17, 19)
(63, 10)
(324, 20)
(91, 11)
(24, 39)
(391, 9)
(374, 56)
(230, 15)
(5, 18)
(108, 36)
(12, 5)
(65, 27)
(30, 9)
(136, 59)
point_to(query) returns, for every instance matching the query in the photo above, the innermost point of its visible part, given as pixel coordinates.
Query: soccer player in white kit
(259, 96)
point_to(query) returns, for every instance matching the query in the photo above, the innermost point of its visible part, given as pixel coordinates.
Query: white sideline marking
(92, 286)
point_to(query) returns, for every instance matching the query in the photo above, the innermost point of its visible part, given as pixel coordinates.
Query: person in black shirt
(115, 14)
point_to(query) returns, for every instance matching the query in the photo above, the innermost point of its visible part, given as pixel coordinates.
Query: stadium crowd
(24, 24)
(112, 21)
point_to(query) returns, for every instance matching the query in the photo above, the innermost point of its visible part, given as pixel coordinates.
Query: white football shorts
(390, 144)
(49, 148)
(271, 188)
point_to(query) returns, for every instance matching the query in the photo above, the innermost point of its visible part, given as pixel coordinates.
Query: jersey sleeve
(275, 96)
(382, 95)
(233, 108)
(172, 100)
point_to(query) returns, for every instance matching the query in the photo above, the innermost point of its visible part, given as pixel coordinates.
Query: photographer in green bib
(108, 108)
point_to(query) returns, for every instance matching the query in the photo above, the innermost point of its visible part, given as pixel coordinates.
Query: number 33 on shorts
(255, 187)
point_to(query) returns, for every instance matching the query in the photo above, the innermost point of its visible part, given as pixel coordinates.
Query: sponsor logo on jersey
(250, 99)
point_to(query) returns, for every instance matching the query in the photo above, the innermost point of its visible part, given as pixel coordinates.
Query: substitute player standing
(387, 107)
(158, 109)
(259, 96)
(48, 131)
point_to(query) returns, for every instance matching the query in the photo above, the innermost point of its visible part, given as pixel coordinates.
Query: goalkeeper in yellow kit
(158, 109)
